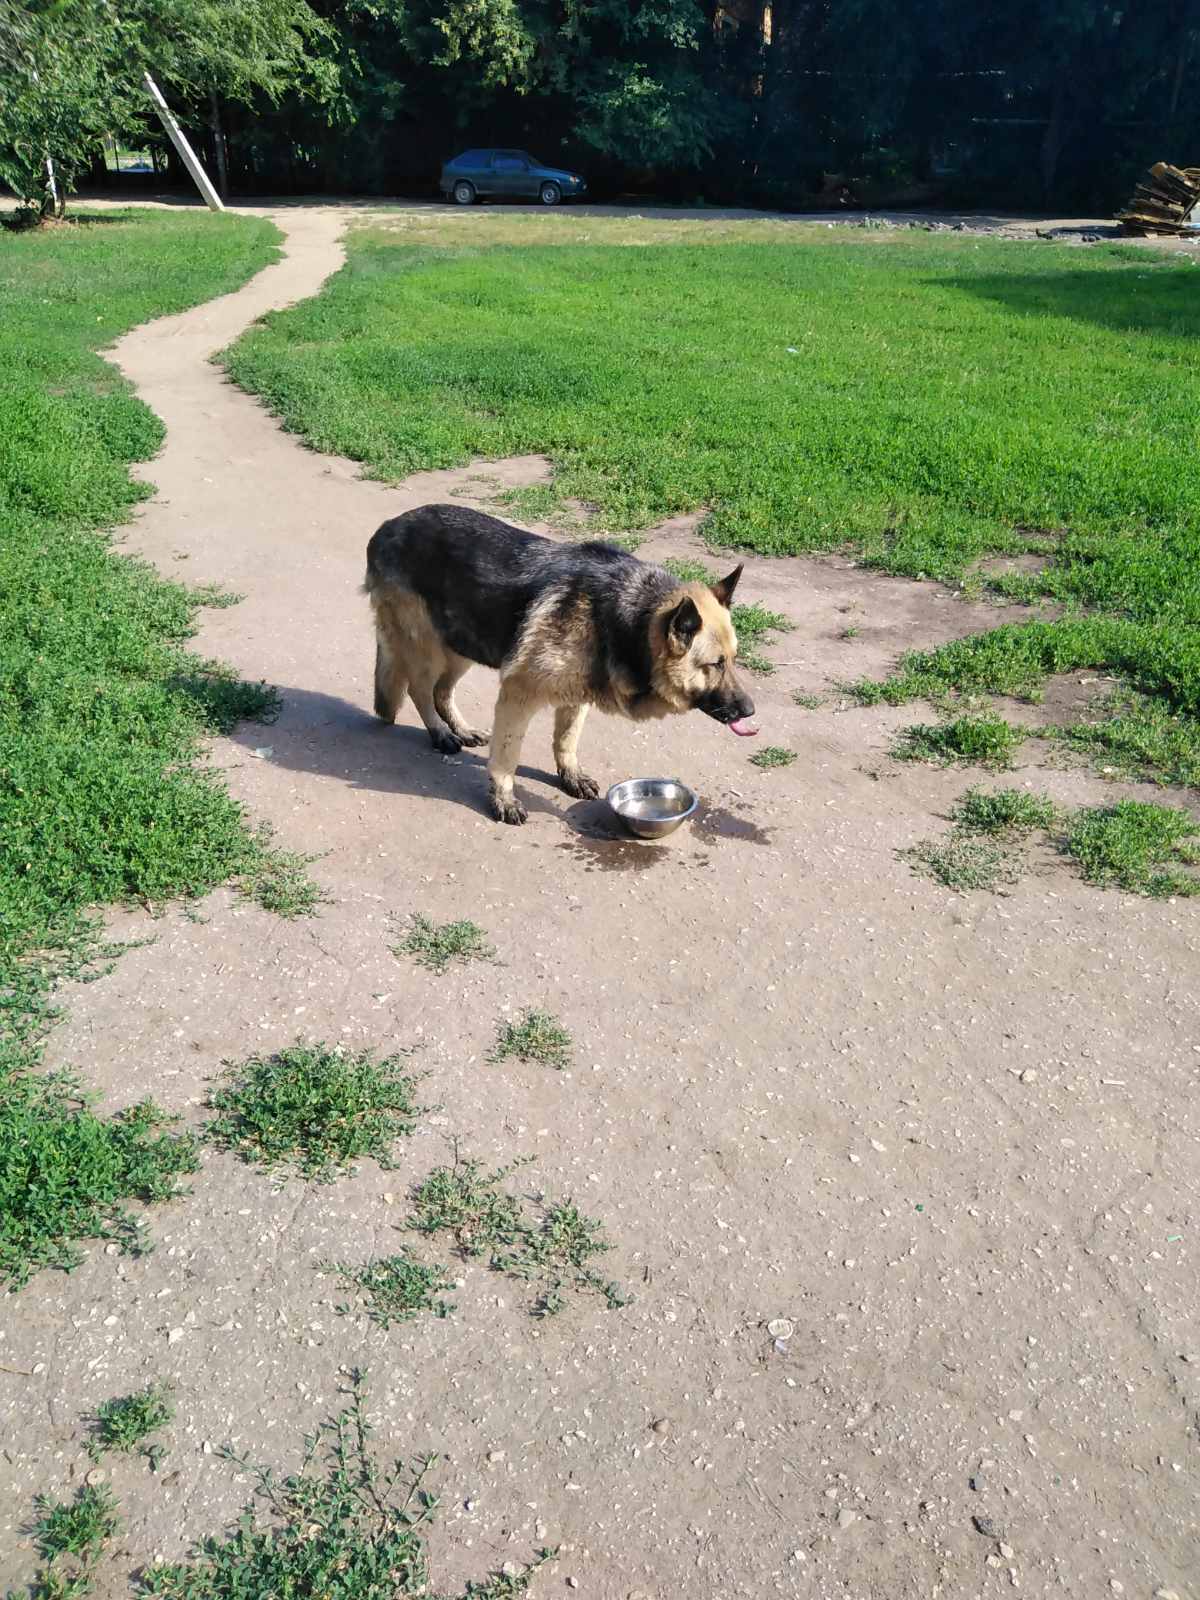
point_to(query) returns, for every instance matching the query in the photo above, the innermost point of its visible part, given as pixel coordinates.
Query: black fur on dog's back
(480, 578)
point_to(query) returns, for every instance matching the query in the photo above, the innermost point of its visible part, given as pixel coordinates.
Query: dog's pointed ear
(724, 589)
(683, 624)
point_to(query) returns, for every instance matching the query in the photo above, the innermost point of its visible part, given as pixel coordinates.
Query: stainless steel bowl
(652, 807)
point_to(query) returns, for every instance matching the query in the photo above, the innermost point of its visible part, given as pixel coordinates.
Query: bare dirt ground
(952, 1140)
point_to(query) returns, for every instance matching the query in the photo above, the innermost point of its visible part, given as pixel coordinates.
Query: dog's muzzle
(732, 712)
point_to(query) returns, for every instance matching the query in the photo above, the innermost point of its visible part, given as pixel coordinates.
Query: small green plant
(1003, 811)
(1133, 845)
(65, 1173)
(552, 1249)
(394, 1288)
(809, 702)
(125, 1424)
(78, 1528)
(343, 1525)
(278, 881)
(981, 738)
(436, 947)
(962, 861)
(315, 1108)
(534, 1036)
(849, 633)
(773, 755)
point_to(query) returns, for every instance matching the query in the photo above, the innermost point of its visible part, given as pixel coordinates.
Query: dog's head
(696, 648)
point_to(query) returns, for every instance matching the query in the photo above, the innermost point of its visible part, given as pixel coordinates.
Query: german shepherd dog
(565, 625)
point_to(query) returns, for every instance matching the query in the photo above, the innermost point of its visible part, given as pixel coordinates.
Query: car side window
(509, 164)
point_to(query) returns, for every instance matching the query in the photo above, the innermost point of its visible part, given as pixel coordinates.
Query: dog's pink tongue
(743, 727)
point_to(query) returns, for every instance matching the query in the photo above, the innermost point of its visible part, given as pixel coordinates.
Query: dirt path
(953, 1141)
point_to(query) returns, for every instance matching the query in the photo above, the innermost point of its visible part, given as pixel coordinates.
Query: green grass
(753, 624)
(551, 1247)
(772, 755)
(1004, 811)
(1039, 401)
(1134, 845)
(534, 1036)
(1033, 387)
(103, 712)
(1138, 738)
(101, 709)
(126, 1424)
(394, 1288)
(962, 861)
(343, 1525)
(79, 1527)
(67, 1175)
(981, 738)
(436, 947)
(314, 1109)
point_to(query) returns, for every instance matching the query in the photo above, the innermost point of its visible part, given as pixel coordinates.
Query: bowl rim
(676, 817)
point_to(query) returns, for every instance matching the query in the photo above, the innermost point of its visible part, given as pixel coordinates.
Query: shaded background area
(785, 103)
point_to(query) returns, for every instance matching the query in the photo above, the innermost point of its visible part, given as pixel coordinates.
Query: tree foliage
(1031, 102)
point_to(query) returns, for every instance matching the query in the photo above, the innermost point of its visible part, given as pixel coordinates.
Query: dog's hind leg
(446, 706)
(391, 677)
(514, 709)
(568, 725)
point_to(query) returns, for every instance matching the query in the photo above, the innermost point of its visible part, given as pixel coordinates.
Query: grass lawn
(102, 710)
(924, 400)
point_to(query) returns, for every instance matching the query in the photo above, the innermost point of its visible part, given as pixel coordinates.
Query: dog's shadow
(332, 738)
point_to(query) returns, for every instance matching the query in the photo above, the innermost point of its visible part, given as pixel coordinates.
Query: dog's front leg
(568, 725)
(514, 709)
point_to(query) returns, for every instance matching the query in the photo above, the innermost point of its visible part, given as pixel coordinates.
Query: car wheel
(550, 194)
(464, 194)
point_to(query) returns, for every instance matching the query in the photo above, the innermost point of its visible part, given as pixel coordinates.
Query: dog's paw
(470, 738)
(580, 785)
(446, 744)
(508, 809)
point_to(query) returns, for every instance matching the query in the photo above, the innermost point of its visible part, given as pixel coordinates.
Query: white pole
(186, 154)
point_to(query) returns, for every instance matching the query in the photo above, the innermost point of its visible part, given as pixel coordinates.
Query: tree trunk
(218, 136)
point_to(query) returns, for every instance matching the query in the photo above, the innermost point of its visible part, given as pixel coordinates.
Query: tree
(61, 92)
(212, 51)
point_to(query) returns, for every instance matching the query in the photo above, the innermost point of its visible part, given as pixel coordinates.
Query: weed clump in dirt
(534, 1036)
(981, 738)
(551, 1248)
(343, 1525)
(314, 1108)
(1131, 846)
(436, 947)
(977, 853)
(79, 1527)
(394, 1288)
(65, 1173)
(1004, 811)
(125, 1424)
(772, 755)
(962, 861)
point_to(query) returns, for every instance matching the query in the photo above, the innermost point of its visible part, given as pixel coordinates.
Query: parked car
(485, 174)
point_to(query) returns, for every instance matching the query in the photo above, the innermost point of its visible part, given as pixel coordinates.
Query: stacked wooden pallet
(1162, 201)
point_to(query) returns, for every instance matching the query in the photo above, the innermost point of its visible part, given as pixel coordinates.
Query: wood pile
(1162, 201)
